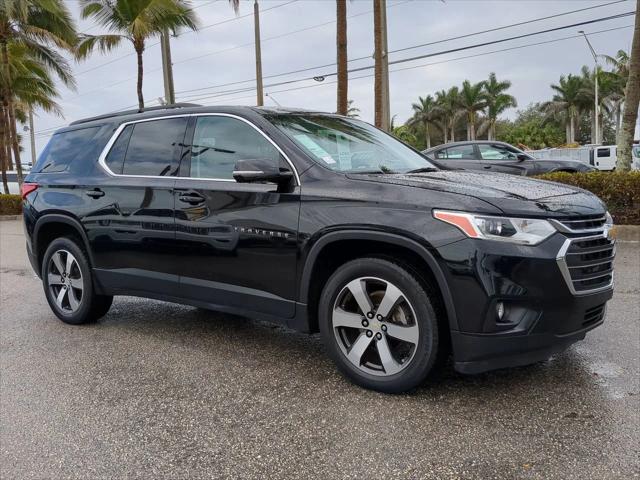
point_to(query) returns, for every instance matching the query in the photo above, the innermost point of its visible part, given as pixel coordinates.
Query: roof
(465, 142)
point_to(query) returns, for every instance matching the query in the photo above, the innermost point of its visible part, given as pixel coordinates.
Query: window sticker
(315, 149)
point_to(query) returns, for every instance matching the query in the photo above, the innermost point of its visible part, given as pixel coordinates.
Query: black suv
(499, 157)
(321, 223)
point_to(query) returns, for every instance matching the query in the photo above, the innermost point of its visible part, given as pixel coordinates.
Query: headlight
(524, 231)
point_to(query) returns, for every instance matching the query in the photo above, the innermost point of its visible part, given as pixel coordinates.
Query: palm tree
(620, 62)
(632, 98)
(341, 49)
(497, 102)
(352, 110)
(448, 102)
(41, 27)
(568, 100)
(135, 21)
(616, 81)
(471, 101)
(425, 114)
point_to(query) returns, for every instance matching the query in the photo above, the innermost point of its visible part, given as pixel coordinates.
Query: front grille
(586, 258)
(582, 224)
(593, 315)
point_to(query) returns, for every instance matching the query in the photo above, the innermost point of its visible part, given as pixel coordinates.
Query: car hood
(514, 195)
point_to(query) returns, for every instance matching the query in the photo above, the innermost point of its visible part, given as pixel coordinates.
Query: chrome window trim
(105, 151)
(564, 268)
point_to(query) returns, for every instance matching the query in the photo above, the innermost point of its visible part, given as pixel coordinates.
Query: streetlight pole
(597, 104)
(256, 20)
(167, 68)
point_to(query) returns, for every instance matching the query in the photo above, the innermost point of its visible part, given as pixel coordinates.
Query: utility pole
(256, 21)
(167, 68)
(382, 109)
(32, 135)
(596, 109)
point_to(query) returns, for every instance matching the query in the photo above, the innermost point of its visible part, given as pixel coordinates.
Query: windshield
(348, 145)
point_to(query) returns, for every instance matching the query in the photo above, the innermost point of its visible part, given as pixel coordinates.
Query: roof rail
(131, 112)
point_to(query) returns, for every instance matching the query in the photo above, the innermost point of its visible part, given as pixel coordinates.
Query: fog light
(500, 310)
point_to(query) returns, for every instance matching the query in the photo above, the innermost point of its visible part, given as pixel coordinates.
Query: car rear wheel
(68, 286)
(379, 325)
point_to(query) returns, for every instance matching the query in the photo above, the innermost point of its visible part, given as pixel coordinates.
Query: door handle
(97, 193)
(487, 167)
(192, 198)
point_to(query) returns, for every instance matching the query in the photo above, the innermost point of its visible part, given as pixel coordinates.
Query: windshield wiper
(423, 170)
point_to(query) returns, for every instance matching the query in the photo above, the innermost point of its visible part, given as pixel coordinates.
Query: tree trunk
(427, 135)
(139, 47)
(378, 70)
(453, 132)
(341, 50)
(445, 131)
(632, 98)
(567, 131)
(618, 118)
(4, 161)
(14, 143)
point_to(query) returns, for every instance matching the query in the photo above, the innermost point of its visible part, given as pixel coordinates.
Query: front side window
(348, 145)
(154, 147)
(219, 142)
(64, 148)
(460, 152)
(497, 152)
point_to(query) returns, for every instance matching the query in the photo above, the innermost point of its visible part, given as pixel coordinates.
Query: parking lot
(156, 390)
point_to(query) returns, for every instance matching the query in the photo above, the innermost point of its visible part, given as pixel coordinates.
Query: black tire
(90, 307)
(416, 369)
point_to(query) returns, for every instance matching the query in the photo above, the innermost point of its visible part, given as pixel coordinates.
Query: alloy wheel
(64, 278)
(375, 326)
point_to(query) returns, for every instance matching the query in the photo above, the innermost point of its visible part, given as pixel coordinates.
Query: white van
(604, 157)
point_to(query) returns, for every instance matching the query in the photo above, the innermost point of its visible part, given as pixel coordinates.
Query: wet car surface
(156, 390)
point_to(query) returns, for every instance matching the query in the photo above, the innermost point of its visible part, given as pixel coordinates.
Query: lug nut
(379, 317)
(365, 323)
(370, 315)
(369, 333)
(379, 336)
(384, 328)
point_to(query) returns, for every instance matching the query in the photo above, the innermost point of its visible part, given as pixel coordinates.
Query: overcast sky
(226, 54)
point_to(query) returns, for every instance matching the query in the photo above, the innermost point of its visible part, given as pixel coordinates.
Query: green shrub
(10, 204)
(620, 191)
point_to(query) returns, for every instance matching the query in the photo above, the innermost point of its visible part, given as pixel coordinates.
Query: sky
(300, 35)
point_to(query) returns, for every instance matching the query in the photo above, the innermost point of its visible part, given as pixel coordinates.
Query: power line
(419, 57)
(184, 33)
(424, 65)
(407, 48)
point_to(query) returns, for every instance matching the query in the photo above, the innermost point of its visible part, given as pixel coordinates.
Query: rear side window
(603, 152)
(64, 148)
(154, 147)
(457, 153)
(115, 157)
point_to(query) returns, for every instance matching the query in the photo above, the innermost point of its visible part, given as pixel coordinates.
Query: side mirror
(522, 157)
(260, 170)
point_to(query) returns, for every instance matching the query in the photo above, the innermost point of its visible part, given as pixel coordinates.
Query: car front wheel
(379, 325)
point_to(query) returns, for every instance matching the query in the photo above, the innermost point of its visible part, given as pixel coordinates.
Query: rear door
(604, 158)
(459, 156)
(131, 225)
(238, 240)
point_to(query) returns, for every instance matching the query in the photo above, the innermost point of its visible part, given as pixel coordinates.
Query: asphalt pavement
(156, 390)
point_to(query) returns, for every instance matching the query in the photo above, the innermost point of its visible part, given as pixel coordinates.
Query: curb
(10, 217)
(628, 233)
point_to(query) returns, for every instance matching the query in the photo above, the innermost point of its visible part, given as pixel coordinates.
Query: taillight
(27, 188)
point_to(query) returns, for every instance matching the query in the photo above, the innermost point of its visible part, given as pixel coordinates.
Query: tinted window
(497, 152)
(154, 147)
(458, 152)
(64, 148)
(115, 157)
(603, 152)
(219, 142)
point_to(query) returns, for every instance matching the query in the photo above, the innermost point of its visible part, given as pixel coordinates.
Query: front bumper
(543, 314)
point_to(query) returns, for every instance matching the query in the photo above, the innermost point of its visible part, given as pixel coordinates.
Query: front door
(500, 158)
(131, 225)
(238, 241)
